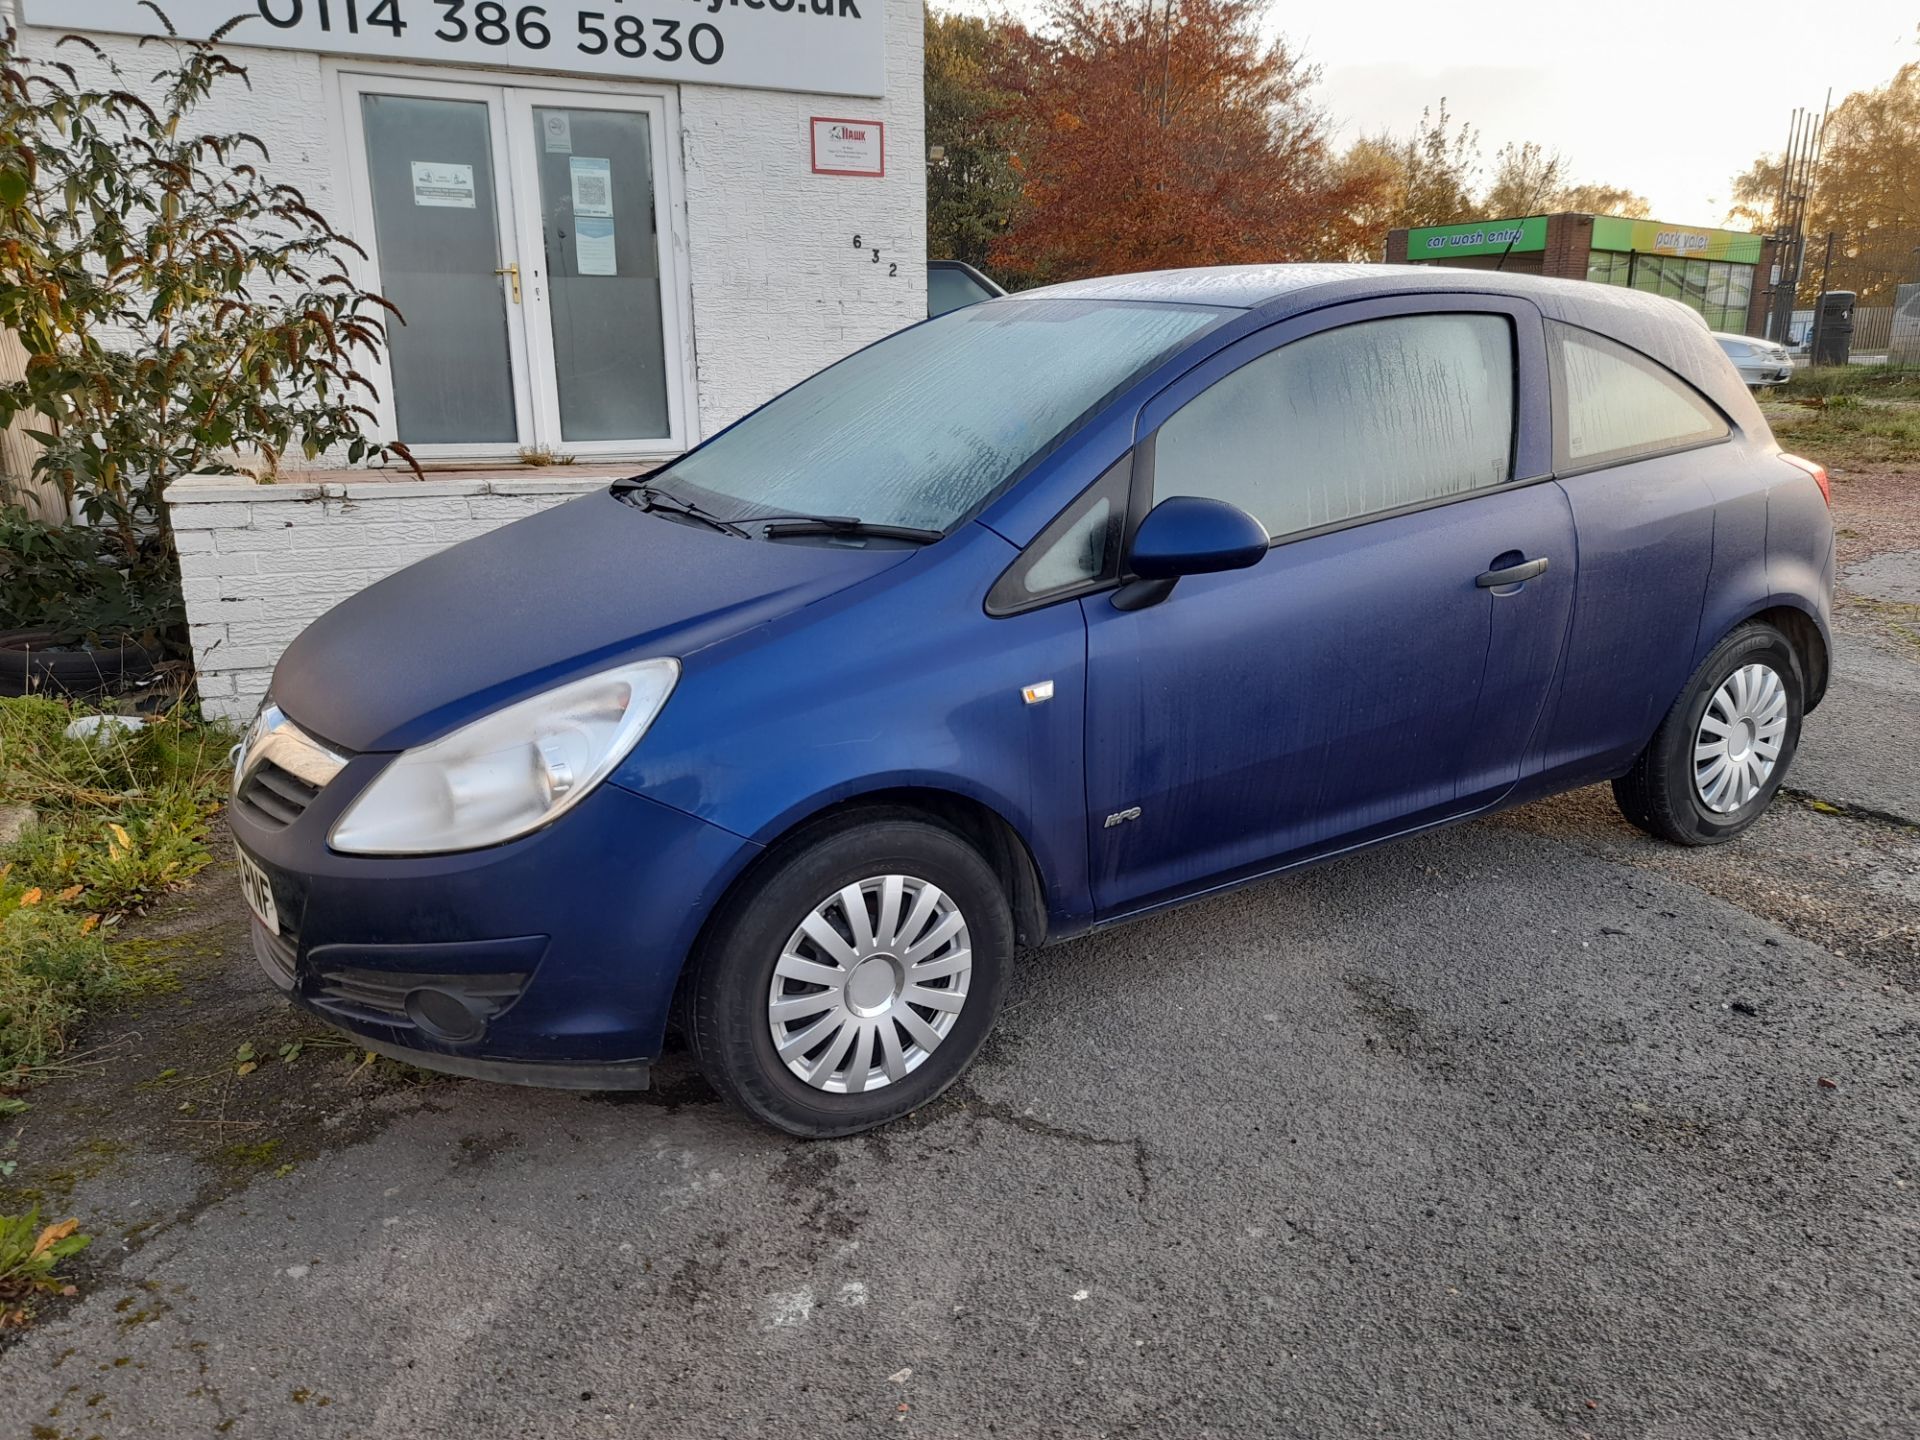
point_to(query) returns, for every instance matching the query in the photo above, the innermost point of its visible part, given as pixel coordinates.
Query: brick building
(1726, 275)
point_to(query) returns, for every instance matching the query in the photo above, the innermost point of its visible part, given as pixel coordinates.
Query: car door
(1362, 678)
(1632, 443)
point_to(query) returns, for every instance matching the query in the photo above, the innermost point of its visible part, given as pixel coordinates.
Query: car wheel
(1723, 750)
(853, 979)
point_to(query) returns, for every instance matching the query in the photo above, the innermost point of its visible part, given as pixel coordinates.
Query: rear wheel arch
(1809, 646)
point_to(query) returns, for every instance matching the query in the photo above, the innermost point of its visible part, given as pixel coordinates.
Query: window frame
(1009, 596)
(536, 396)
(1532, 416)
(1528, 457)
(1564, 466)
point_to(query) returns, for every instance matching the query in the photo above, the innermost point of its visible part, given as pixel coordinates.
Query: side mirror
(1188, 535)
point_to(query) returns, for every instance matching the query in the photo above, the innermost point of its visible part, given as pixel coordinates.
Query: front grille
(274, 798)
(277, 954)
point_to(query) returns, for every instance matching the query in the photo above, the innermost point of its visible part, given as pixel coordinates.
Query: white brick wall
(778, 288)
(259, 563)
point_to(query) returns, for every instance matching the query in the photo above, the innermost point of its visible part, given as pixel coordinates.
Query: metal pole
(1820, 306)
(1783, 249)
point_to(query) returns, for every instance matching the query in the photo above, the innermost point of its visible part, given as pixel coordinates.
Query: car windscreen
(924, 427)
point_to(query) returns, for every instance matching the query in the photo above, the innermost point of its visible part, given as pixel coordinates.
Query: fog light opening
(444, 1016)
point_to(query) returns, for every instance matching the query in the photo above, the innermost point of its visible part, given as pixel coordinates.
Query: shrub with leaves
(176, 305)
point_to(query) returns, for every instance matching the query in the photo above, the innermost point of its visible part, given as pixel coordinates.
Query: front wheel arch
(979, 824)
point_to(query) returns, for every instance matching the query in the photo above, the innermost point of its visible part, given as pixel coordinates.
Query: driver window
(1350, 422)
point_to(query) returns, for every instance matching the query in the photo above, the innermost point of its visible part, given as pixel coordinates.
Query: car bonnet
(534, 603)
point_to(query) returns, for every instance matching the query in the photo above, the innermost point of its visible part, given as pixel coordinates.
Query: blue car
(1043, 615)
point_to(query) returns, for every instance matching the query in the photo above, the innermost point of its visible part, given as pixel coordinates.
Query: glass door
(445, 246)
(602, 319)
(523, 235)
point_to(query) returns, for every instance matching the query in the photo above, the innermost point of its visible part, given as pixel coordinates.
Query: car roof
(1664, 329)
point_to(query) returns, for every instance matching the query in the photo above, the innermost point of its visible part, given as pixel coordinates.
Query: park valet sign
(833, 47)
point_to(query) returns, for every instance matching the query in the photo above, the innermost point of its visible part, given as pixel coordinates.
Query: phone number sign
(832, 47)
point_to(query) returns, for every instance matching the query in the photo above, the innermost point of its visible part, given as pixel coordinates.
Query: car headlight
(1740, 352)
(509, 772)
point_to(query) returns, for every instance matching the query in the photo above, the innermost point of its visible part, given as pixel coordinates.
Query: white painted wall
(260, 563)
(778, 290)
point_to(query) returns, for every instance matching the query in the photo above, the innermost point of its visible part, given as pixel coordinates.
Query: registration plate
(259, 892)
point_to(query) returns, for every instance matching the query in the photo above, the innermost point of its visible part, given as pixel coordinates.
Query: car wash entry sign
(834, 47)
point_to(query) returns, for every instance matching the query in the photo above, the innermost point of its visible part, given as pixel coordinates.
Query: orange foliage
(1166, 133)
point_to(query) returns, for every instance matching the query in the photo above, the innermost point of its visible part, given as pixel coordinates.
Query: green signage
(1481, 237)
(1656, 237)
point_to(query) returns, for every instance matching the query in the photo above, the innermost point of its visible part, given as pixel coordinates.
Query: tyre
(853, 978)
(34, 662)
(1722, 751)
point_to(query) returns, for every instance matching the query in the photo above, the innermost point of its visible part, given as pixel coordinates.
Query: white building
(613, 227)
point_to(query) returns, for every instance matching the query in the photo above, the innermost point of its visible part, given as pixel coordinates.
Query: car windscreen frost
(925, 426)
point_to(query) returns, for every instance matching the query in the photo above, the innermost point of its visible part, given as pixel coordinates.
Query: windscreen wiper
(776, 527)
(636, 491)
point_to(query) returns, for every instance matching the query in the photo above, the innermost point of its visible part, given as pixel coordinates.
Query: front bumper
(550, 960)
(1765, 372)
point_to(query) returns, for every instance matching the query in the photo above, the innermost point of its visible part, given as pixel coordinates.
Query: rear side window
(1612, 404)
(1351, 422)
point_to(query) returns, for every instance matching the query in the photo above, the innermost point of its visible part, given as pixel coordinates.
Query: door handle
(1512, 574)
(514, 271)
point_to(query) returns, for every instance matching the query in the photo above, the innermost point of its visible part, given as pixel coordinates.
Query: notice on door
(592, 187)
(593, 243)
(442, 186)
(849, 147)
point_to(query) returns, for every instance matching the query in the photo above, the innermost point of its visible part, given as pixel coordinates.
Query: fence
(1882, 268)
(17, 452)
(1903, 333)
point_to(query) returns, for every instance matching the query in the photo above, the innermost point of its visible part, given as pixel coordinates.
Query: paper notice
(592, 187)
(593, 247)
(442, 186)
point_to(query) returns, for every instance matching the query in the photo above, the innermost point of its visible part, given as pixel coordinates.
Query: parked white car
(1760, 362)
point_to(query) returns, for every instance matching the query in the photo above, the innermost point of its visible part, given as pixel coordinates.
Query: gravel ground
(1529, 1128)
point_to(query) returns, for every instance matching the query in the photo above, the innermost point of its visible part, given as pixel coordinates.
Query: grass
(1851, 414)
(121, 818)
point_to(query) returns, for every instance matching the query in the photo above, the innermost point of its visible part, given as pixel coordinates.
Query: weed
(122, 817)
(51, 971)
(30, 1256)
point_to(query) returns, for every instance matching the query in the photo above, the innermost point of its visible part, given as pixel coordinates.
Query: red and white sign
(849, 147)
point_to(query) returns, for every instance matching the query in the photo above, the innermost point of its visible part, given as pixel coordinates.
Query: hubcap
(869, 984)
(1738, 743)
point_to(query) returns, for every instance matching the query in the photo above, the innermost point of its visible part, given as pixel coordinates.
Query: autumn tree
(1436, 166)
(1168, 134)
(1525, 178)
(1866, 192)
(1593, 199)
(973, 185)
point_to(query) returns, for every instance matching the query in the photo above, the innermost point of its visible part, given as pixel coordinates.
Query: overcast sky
(1667, 99)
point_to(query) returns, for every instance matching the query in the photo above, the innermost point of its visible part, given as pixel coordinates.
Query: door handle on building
(514, 271)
